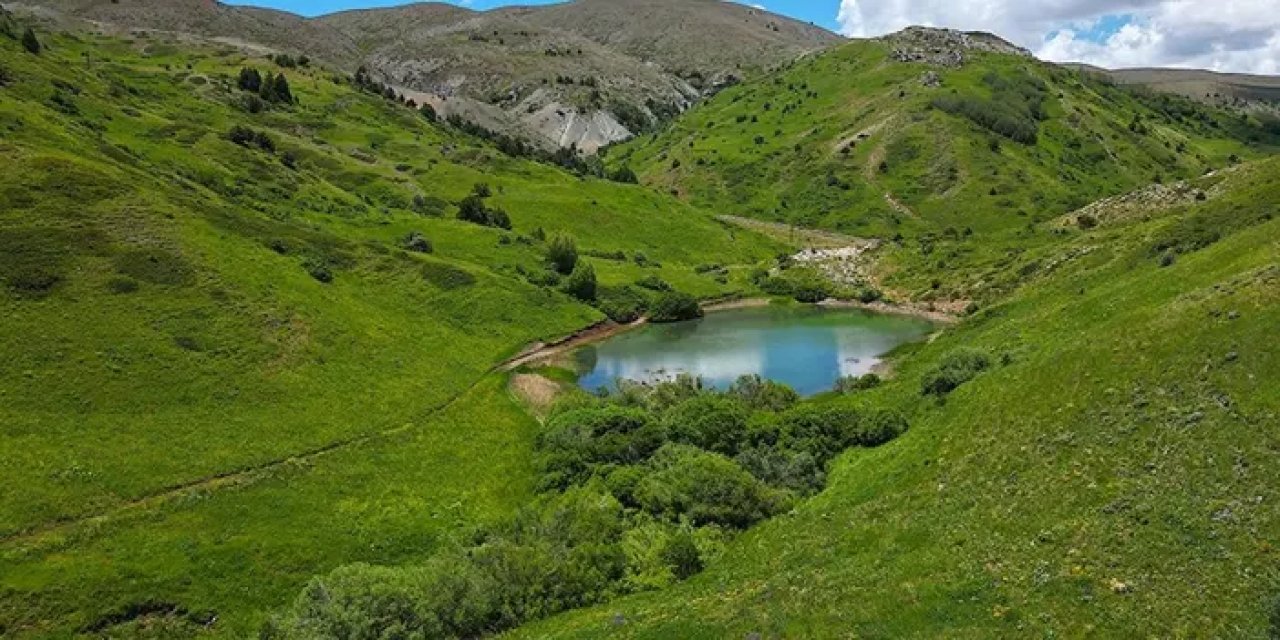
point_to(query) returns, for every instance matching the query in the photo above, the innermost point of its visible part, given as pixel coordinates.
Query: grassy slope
(1114, 479)
(154, 339)
(940, 165)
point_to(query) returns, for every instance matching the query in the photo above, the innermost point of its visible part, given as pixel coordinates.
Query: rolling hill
(217, 304)
(1235, 90)
(960, 139)
(257, 333)
(583, 73)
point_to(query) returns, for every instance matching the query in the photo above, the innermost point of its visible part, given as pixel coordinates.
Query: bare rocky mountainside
(582, 73)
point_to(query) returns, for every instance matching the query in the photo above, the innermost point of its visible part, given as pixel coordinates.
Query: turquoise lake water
(807, 348)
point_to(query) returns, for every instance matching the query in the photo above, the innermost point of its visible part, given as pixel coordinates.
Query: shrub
(955, 369)
(654, 283)
(764, 395)
(796, 471)
(849, 384)
(713, 422)
(674, 306)
(581, 284)
(821, 431)
(624, 175)
(473, 209)
(249, 80)
(681, 554)
(577, 443)
(30, 42)
(429, 112)
(1086, 221)
(318, 269)
(6, 76)
(704, 488)
(562, 253)
(622, 305)
(417, 243)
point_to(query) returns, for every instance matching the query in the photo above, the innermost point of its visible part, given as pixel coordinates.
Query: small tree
(281, 90)
(30, 42)
(472, 209)
(249, 80)
(581, 284)
(267, 90)
(429, 112)
(625, 175)
(681, 554)
(562, 253)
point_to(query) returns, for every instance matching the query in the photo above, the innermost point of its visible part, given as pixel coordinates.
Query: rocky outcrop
(946, 47)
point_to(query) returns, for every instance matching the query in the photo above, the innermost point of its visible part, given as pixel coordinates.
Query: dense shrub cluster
(955, 369)
(638, 489)
(246, 137)
(475, 210)
(270, 88)
(674, 306)
(1014, 110)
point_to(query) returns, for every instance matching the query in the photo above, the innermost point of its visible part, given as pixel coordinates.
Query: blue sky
(822, 12)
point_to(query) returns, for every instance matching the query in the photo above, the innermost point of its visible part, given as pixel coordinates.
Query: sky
(1223, 35)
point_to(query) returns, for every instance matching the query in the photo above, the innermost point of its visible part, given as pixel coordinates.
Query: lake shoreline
(907, 309)
(605, 329)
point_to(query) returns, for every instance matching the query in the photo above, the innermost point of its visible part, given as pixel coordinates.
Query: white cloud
(1223, 35)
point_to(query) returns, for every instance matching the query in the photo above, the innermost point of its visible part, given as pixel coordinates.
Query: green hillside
(248, 339)
(1111, 476)
(254, 341)
(823, 142)
(956, 164)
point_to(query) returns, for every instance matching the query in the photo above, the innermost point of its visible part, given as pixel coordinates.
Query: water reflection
(804, 347)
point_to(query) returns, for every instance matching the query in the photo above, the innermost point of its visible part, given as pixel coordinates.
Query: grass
(1109, 476)
(223, 374)
(851, 141)
(194, 423)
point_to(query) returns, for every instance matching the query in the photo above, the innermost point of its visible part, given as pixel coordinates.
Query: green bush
(849, 384)
(955, 369)
(417, 243)
(30, 42)
(654, 283)
(674, 306)
(562, 253)
(577, 443)
(623, 305)
(681, 555)
(764, 395)
(704, 488)
(713, 422)
(796, 471)
(581, 284)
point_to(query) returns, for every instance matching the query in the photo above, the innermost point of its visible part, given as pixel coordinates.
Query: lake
(808, 348)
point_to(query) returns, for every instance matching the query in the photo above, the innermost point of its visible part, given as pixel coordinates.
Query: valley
(293, 349)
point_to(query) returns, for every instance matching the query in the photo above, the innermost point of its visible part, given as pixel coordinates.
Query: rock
(1119, 587)
(931, 79)
(1233, 356)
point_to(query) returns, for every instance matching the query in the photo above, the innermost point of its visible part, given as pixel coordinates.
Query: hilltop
(582, 73)
(932, 135)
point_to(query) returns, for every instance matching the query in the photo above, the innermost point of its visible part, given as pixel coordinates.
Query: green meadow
(253, 386)
(224, 373)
